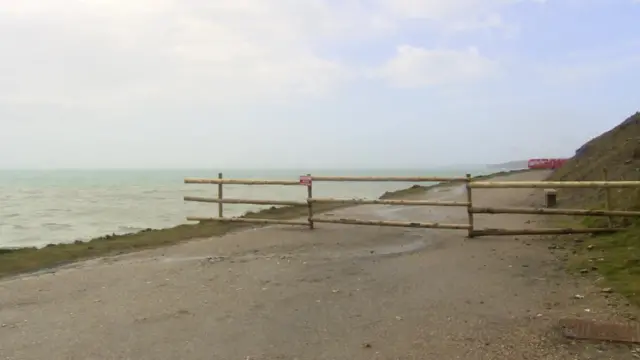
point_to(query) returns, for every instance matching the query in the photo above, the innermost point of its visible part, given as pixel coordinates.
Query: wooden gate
(307, 182)
(310, 203)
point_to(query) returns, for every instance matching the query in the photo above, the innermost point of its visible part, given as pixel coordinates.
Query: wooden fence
(308, 181)
(470, 184)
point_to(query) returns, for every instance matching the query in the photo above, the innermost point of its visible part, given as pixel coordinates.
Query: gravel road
(338, 292)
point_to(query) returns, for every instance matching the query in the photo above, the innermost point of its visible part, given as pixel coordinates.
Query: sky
(310, 83)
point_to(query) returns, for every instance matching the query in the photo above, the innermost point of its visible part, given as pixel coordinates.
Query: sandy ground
(338, 292)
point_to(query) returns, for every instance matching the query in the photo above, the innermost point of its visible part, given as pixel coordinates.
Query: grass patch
(616, 257)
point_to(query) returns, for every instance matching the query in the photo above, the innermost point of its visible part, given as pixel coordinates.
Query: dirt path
(338, 292)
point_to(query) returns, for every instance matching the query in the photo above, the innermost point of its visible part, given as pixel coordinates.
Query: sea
(40, 207)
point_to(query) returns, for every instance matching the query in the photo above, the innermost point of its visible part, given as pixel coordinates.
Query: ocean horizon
(41, 207)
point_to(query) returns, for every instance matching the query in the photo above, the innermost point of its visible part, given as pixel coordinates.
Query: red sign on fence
(546, 163)
(305, 180)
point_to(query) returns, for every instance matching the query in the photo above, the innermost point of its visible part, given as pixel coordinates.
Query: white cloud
(94, 52)
(441, 10)
(596, 63)
(418, 67)
(456, 15)
(104, 51)
(583, 72)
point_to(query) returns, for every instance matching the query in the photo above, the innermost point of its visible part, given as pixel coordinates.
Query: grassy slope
(615, 256)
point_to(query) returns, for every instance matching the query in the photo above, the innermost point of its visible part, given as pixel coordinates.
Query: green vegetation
(615, 256)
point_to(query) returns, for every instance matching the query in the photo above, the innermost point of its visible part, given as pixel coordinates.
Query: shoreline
(15, 261)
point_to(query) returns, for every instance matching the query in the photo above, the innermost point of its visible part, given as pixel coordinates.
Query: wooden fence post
(607, 196)
(220, 214)
(469, 206)
(309, 203)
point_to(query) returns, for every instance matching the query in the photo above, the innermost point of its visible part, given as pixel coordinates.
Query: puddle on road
(193, 258)
(412, 213)
(398, 249)
(360, 252)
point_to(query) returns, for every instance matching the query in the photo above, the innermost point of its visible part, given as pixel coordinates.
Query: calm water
(42, 207)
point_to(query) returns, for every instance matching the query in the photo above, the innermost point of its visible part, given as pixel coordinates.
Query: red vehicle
(545, 163)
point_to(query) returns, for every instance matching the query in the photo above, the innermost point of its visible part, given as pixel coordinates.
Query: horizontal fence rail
(470, 184)
(554, 231)
(245, 201)
(394, 223)
(248, 220)
(389, 178)
(241, 181)
(387, 202)
(541, 211)
(553, 184)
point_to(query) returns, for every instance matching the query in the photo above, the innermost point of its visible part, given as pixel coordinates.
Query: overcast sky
(310, 83)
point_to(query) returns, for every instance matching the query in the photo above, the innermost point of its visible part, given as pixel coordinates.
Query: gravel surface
(338, 292)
